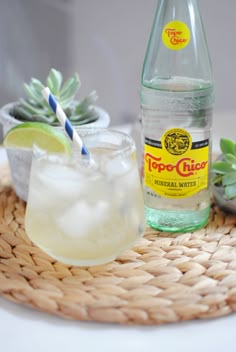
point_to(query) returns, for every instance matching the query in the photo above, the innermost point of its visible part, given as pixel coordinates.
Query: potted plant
(82, 114)
(223, 181)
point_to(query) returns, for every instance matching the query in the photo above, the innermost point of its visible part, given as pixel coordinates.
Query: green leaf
(70, 88)
(230, 158)
(66, 86)
(222, 167)
(38, 86)
(88, 116)
(46, 119)
(83, 106)
(32, 93)
(65, 103)
(22, 114)
(29, 107)
(230, 191)
(227, 146)
(54, 81)
(217, 179)
(81, 120)
(85, 121)
(35, 109)
(229, 179)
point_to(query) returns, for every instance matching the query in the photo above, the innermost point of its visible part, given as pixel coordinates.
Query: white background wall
(105, 41)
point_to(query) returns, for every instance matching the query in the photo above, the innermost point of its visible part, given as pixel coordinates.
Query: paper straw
(55, 106)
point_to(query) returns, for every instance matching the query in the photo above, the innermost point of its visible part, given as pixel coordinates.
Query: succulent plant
(224, 169)
(35, 108)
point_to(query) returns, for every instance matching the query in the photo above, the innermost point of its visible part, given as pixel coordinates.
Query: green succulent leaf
(30, 107)
(66, 103)
(70, 88)
(87, 115)
(229, 179)
(83, 106)
(83, 119)
(49, 119)
(230, 158)
(222, 167)
(217, 179)
(22, 114)
(227, 146)
(230, 191)
(32, 94)
(54, 81)
(38, 86)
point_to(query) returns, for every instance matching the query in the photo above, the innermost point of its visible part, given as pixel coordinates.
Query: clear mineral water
(183, 103)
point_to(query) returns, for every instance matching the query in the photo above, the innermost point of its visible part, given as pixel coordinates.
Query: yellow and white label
(176, 35)
(176, 167)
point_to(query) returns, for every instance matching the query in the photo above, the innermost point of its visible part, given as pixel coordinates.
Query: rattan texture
(163, 279)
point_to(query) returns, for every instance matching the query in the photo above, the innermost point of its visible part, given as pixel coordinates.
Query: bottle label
(176, 167)
(176, 35)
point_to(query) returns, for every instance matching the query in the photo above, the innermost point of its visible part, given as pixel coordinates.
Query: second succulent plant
(224, 169)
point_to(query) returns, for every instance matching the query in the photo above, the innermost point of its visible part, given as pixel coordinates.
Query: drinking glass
(86, 211)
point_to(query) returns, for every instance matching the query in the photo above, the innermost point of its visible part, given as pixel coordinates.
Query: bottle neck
(175, 5)
(177, 48)
(171, 10)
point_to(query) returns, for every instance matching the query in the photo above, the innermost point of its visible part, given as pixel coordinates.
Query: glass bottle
(177, 97)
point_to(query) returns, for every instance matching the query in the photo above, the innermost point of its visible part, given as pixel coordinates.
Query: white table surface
(25, 330)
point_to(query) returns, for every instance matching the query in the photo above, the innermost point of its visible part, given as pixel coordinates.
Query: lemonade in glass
(86, 211)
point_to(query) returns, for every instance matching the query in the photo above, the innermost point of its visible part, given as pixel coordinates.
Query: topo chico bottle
(177, 96)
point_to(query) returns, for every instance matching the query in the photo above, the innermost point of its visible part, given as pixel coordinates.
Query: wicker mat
(162, 279)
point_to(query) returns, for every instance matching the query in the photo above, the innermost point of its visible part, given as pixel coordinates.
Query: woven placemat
(162, 279)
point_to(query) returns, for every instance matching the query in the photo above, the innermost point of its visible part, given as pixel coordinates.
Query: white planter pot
(20, 160)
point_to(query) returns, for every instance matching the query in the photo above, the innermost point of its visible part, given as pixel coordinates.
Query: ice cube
(117, 167)
(63, 182)
(83, 218)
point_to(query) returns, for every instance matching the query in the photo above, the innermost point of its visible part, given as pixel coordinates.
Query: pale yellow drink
(82, 212)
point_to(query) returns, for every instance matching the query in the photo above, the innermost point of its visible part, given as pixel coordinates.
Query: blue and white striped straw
(55, 106)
